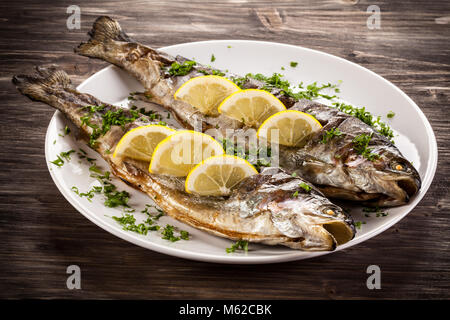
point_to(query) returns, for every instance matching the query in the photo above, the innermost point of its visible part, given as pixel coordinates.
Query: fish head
(391, 176)
(298, 210)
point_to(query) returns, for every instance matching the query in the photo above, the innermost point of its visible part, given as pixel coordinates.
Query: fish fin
(40, 84)
(104, 30)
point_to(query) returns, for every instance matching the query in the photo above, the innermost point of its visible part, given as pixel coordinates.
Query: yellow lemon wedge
(289, 128)
(205, 93)
(139, 143)
(216, 176)
(177, 154)
(251, 106)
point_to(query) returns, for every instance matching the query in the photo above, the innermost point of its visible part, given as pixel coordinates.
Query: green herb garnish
(293, 64)
(329, 134)
(276, 81)
(359, 223)
(62, 155)
(184, 235)
(378, 212)
(305, 187)
(367, 118)
(258, 157)
(212, 71)
(128, 223)
(66, 131)
(361, 146)
(58, 162)
(213, 58)
(168, 233)
(109, 118)
(183, 69)
(390, 114)
(238, 245)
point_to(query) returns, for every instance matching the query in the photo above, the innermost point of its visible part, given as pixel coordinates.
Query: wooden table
(41, 233)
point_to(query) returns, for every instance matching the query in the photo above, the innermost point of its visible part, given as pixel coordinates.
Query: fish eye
(329, 211)
(398, 166)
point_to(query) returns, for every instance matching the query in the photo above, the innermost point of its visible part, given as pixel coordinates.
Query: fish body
(335, 167)
(263, 208)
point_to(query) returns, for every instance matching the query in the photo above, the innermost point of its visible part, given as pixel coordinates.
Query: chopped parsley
(329, 134)
(66, 131)
(211, 71)
(367, 118)
(62, 155)
(168, 233)
(391, 114)
(377, 210)
(213, 58)
(66, 155)
(358, 224)
(183, 69)
(293, 64)
(90, 194)
(295, 195)
(109, 118)
(276, 81)
(184, 235)
(305, 187)
(112, 197)
(259, 157)
(238, 245)
(58, 162)
(150, 215)
(228, 47)
(128, 223)
(361, 146)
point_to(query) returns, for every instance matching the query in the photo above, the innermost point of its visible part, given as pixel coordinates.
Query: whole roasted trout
(263, 208)
(336, 167)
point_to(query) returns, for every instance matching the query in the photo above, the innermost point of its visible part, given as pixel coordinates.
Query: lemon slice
(140, 142)
(206, 92)
(177, 154)
(289, 128)
(216, 176)
(251, 106)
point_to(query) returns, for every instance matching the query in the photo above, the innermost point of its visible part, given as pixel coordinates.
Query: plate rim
(248, 259)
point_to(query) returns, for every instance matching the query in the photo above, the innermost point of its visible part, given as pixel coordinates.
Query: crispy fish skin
(261, 209)
(335, 167)
(340, 172)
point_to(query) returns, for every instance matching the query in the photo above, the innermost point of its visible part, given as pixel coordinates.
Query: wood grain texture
(42, 233)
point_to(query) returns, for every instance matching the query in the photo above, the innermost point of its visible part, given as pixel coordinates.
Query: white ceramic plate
(359, 87)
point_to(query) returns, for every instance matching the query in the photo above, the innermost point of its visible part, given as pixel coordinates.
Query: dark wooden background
(41, 233)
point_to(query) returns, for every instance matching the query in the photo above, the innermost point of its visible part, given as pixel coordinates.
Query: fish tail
(104, 31)
(51, 85)
(41, 84)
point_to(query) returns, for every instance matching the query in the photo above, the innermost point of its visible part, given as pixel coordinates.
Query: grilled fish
(335, 167)
(261, 209)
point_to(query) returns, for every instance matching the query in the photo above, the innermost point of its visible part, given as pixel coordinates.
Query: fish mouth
(312, 229)
(410, 185)
(400, 190)
(326, 237)
(394, 190)
(340, 231)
